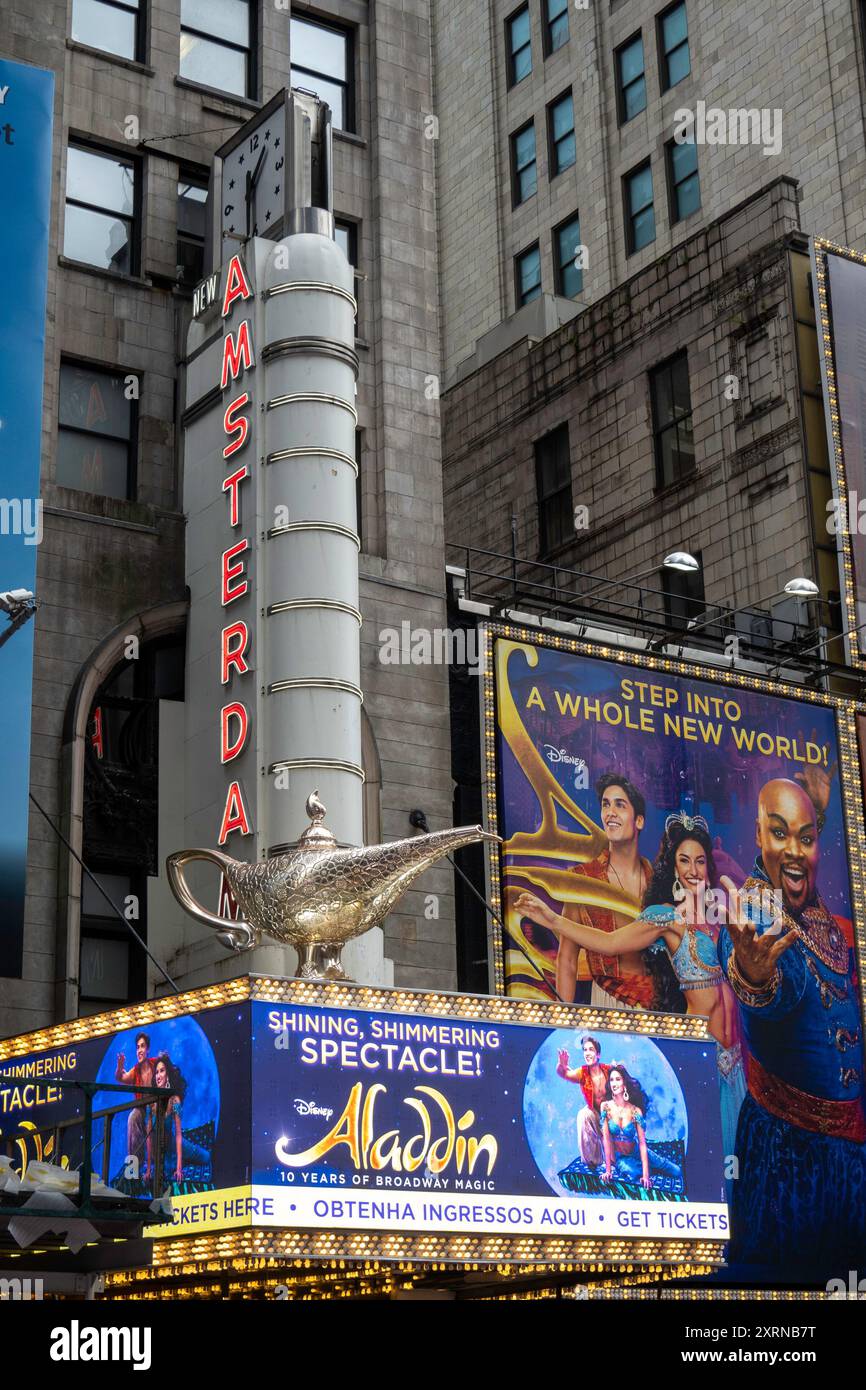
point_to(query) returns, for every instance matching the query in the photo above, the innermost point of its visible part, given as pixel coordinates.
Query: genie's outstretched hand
(756, 956)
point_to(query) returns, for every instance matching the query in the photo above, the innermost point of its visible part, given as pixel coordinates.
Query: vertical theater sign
(273, 706)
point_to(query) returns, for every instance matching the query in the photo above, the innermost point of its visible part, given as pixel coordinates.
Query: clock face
(253, 178)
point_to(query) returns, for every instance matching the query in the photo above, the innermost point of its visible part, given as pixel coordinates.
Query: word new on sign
(238, 358)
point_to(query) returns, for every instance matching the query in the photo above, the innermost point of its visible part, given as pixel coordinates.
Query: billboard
(316, 1118)
(674, 843)
(26, 104)
(416, 1122)
(203, 1059)
(840, 277)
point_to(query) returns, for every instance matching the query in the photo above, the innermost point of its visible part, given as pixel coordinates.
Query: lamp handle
(174, 867)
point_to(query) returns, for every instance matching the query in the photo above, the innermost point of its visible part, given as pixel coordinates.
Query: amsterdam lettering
(238, 358)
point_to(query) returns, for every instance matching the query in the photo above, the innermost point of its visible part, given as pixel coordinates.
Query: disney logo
(559, 755)
(309, 1107)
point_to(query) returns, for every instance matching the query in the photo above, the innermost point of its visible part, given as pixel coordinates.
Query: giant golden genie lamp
(318, 896)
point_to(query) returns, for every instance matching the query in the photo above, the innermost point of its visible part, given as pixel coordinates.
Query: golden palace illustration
(318, 896)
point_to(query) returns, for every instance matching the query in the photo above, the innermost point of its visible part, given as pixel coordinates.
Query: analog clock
(253, 182)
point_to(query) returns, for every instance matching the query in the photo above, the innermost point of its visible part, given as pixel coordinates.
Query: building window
(105, 953)
(684, 595)
(114, 26)
(555, 25)
(674, 45)
(101, 210)
(216, 44)
(528, 275)
(560, 131)
(519, 47)
(566, 244)
(672, 420)
(685, 187)
(322, 63)
(524, 175)
(553, 483)
(630, 79)
(191, 227)
(639, 209)
(346, 237)
(96, 434)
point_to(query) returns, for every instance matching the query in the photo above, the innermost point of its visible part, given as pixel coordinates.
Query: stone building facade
(112, 566)
(728, 305)
(628, 66)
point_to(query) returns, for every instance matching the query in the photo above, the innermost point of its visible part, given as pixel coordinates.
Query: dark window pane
(688, 197)
(327, 91)
(564, 154)
(98, 179)
(682, 399)
(559, 33)
(522, 64)
(222, 19)
(674, 28)
(104, 967)
(524, 146)
(643, 229)
(631, 61)
(94, 401)
(640, 189)
(529, 275)
(213, 64)
(191, 208)
(97, 239)
(567, 243)
(91, 464)
(319, 49)
(634, 99)
(562, 118)
(520, 30)
(104, 27)
(527, 183)
(684, 160)
(678, 65)
(190, 259)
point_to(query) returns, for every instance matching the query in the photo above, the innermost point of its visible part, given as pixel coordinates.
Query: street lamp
(19, 605)
(679, 560)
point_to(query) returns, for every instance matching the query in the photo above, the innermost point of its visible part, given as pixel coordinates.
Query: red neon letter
(231, 486)
(237, 353)
(234, 656)
(236, 284)
(231, 572)
(228, 749)
(240, 427)
(234, 815)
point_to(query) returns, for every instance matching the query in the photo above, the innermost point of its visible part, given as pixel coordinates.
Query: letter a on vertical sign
(25, 171)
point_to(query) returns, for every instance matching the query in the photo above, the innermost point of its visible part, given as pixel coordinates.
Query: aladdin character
(800, 1196)
(620, 979)
(674, 920)
(623, 1131)
(138, 1121)
(178, 1149)
(592, 1080)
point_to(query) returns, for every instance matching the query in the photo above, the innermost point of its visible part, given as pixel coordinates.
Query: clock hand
(252, 179)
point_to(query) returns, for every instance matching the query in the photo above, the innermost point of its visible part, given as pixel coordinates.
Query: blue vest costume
(800, 1196)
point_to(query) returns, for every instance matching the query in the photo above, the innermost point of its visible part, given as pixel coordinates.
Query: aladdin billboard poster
(201, 1059)
(843, 287)
(382, 1121)
(674, 844)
